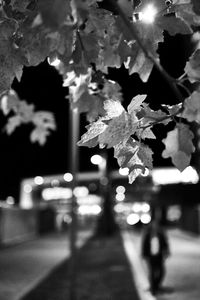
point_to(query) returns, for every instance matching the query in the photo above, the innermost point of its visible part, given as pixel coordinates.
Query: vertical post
(74, 122)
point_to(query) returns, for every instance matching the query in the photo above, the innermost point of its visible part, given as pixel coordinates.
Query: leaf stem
(130, 27)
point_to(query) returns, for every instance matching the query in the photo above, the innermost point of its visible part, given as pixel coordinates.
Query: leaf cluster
(83, 39)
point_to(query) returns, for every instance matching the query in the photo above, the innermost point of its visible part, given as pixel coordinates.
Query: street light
(100, 161)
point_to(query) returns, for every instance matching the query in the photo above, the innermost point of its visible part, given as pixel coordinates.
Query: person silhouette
(155, 250)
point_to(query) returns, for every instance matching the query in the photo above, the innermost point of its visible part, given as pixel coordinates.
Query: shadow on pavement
(103, 273)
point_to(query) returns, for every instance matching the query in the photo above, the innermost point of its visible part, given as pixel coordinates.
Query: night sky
(42, 85)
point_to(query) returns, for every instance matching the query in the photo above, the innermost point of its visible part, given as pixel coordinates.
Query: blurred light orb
(137, 207)
(81, 191)
(145, 218)
(145, 207)
(39, 180)
(55, 182)
(148, 14)
(146, 173)
(96, 159)
(189, 175)
(133, 219)
(124, 171)
(55, 62)
(68, 177)
(119, 208)
(104, 181)
(27, 188)
(120, 197)
(10, 200)
(120, 189)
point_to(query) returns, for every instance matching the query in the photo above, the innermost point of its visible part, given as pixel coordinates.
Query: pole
(74, 122)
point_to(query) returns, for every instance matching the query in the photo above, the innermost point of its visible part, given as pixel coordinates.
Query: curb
(139, 277)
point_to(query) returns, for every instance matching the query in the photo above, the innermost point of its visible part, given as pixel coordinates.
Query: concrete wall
(190, 218)
(17, 225)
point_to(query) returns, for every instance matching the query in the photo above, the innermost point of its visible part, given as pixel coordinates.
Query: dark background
(42, 85)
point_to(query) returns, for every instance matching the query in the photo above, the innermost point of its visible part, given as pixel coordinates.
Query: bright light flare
(133, 219)
(55, 62)
(145, 218)
(124, 171)
(10, 200)
(27, 188)
(148, 14)
(39, 180)
(120, 189)
(96, 159)
(89, 209)
(81, 191)
(137, 207)
(68, 177)
(145, 207)
(120, 197)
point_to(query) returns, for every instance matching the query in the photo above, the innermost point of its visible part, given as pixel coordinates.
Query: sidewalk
(183, 266)
(23, 266)
(103, 273)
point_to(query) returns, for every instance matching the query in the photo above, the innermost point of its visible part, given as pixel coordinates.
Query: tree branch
(130, 27)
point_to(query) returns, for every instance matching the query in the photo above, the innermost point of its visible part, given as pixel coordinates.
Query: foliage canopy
(83, 39)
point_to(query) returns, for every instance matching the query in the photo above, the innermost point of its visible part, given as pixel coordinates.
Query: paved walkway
(21, 270)
(183, 266)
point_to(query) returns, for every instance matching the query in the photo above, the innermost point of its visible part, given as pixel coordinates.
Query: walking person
(155, 250)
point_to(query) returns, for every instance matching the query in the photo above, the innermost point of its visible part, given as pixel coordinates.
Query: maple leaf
(126, 6)
(34, 44)
(139, 63)
(112, 90)
(44, 122)
(54, 12)
(116, 131)
(192, 67)
(39, 134)
(185, 12)
(20, 5)
(173, 109)
(90, 104)
(150, 115)
(135, 156)
(135, 104)
(191, 110)
(11, 59)
(44, 119)
(93, 131)
(146, 133)
(9, 102)
(25, 110)
(196, 6)
(179, 146)
(119, 129)
(145, 155)
(12, 123)
(173, 25)
(113, 109)
(108, 55)
(150, 36)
